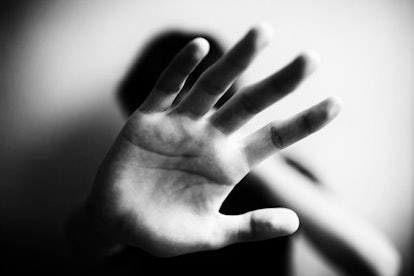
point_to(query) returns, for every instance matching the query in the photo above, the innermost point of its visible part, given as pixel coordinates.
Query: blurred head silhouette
(155, 57)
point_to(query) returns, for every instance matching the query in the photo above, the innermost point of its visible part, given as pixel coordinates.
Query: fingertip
(322, 113)
(290, 219)
(263, 33)
(203, 46)
(264, 28)
(275, 222)
(311, 61)
(334, 106)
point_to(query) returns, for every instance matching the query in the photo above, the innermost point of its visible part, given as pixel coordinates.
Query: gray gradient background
(61, 62)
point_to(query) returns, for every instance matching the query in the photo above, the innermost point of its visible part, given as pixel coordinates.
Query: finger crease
(276, 137)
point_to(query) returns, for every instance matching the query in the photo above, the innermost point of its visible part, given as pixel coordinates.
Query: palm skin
(172, 175)
(171, 167)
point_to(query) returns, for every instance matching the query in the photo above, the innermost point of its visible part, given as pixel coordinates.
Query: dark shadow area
(47, 183)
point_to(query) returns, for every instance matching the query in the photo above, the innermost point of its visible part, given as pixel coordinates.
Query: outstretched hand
(173, 164)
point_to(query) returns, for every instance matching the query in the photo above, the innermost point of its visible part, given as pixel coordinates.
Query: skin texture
(174, 162)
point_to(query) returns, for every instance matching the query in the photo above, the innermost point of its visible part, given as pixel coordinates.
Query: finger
(256, 226)
(279, 135)
(219, 77)
(255, 98)
(173, 77)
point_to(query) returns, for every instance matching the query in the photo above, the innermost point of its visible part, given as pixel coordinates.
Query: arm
(168, 172)
(343, 237)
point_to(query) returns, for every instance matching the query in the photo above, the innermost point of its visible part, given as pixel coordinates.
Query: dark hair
(155, 57)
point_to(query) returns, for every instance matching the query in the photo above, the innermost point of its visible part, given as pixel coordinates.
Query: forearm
(344, 238)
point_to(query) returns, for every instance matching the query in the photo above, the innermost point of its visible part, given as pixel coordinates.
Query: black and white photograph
(192, 137)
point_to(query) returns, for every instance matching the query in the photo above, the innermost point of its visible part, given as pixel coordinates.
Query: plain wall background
(61, 62)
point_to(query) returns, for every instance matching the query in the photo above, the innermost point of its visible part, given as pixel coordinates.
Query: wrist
(86, 238)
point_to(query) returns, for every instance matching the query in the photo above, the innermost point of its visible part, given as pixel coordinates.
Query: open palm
(173, 164)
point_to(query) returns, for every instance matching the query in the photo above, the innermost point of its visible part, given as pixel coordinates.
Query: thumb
(257, 225)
